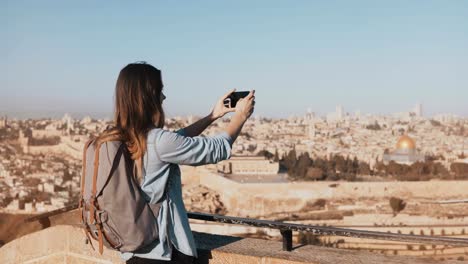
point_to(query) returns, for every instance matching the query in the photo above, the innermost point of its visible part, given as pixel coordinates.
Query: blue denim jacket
(166, 150)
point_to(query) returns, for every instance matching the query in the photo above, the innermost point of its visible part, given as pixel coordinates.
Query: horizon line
(108, 115)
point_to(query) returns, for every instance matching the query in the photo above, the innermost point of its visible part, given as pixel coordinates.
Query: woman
(139, 119)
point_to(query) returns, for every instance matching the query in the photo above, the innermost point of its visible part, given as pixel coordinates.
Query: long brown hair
(138, 109)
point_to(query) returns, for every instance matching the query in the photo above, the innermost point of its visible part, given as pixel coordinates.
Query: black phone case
(234, 97)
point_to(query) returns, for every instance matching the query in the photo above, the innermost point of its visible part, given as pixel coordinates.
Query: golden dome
(405, 142)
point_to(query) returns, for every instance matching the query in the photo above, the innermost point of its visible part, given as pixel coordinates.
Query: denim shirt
(165, 151)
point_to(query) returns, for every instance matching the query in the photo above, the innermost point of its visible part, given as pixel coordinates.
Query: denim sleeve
(174, 147)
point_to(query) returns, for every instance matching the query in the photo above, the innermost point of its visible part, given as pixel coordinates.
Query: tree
(265, 153)
(303, 164)
(276, 158)
(321, 164)
(397, 205)
(349, 176)
(353, 166)
(340, 164)
(290, 161)
(374, 126)
(460, 170)
(393, 168)
(314, 174)
(363, 169)
(251, 148)
(332, 176)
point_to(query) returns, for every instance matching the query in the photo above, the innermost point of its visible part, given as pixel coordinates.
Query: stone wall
(65, 244)
(242, 199)
(248, 166)
(59, 244)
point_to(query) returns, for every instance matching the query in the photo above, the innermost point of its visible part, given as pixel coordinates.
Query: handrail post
(287, 239)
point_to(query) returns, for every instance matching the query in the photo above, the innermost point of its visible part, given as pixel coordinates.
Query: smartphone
(231, 101)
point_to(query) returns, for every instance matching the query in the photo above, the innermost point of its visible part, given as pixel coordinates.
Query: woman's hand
(219, 110)
(244, 109)
(245, 106)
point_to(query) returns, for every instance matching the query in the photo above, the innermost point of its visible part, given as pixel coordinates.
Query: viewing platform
(59, 239)
(66, 244)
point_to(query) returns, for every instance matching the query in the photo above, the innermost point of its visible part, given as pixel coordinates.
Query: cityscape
(376, 158)
(352, 146)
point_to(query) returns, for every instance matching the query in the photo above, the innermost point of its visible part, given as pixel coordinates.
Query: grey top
(165, 151)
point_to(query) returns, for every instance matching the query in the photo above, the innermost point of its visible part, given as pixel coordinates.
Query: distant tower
(69, 126)
(339, 112)
(3, 122)
(23, 141)
(86, 120)
(68, 121)
(418, 110)
(309, 115)
(20, 136)
(311, 129)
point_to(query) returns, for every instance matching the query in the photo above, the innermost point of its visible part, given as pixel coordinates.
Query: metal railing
(286, 229)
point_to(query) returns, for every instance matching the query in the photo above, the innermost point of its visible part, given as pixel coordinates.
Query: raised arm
(175, 148)
(243, 111)
(181, 149)
(218, 111)
(198, 127)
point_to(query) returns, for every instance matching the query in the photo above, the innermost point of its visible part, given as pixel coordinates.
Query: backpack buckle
(101, 217)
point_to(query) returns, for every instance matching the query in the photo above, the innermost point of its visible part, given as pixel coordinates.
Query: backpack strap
(101, 242)
(81, 202)
(88, 238)
(83, 175)
(93, 202)
(115, 165)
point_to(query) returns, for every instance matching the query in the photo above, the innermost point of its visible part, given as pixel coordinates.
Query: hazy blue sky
(376, 56)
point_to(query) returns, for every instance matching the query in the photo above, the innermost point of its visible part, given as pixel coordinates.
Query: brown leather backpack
(113, 209)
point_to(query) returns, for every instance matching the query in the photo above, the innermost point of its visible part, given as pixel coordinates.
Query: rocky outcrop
(202, 199)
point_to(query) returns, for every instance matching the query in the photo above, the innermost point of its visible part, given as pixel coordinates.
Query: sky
(377, 57)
